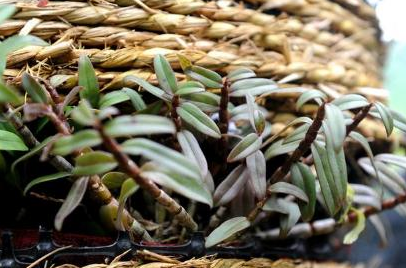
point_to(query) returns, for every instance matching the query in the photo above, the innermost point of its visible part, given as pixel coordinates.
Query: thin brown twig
(303, 147)
(134, 172)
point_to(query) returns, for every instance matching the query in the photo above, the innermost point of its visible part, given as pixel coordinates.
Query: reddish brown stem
(356, 121)
(303, 147)
(131, 169)
(174, 113)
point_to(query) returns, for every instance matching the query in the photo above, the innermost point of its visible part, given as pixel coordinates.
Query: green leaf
(88, 80)
(191, 148)
(350, 101)
(206, 101)
(164, 156)
(299, 120)
(114, 180)
(396, 160)
(226, 230)
(73, 199)
(46, 178)
(139, 125)
(287, 188)
(113, 98)
(256, 165)
(336, 161)
(205, 76)
(14, 43)
(83, 114)
(128, 188)
(34, 89)
(157, 92)
(391, 174)
(231, 186)
(199, 120)
(289, 220)
(180, 184)
(33, 151)
(312, 94)
(278, 148)
(325, 176)
(165, 74)
(336, 125)
(9, 95)
(386, 117)
(278, 205)
(240, 73)
(135, 98)
(247, 146)
(253, 86)
(92, 163)
(6, 11)
(82, 139)
(365, 144)
(190, 87)
(11, 142)
(298, 134)
(303, 178)
(399, 120)
(353, 235)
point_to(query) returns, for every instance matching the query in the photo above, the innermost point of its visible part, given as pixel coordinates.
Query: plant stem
(134, 172)
(98, 191)
(174, 113)
(328, 225)
(361, 115)
(282, 171)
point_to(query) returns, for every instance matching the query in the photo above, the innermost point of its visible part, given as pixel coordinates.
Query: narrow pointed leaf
(278, 148)
(191, 148)
(165, 74)
(350, 101)
(128, 188)
(75, 195)
(9, 95)
(230, 186)
(205, 76)
(247, 146)
(396, 160)
(303, 178)
(328, 188)
(335, 123)
(11, 142)
(157, 92)
(34, 89)
(139, 125)
(253, 86)
(256, 165)
(199, 120)
(240, 73)
(308, 96)
(188, 187)
(190, 87)
(164, 156)
(353, 235)
(226, 230)
(114, 180)
(278, 205)
(88, 80)
(289, 220)
(386, 117)
(287, 188)
(82, 139)
(113, 98)
(92, 163)
(135, 98)
(45, 178)
(399, 120)
(83, 114)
